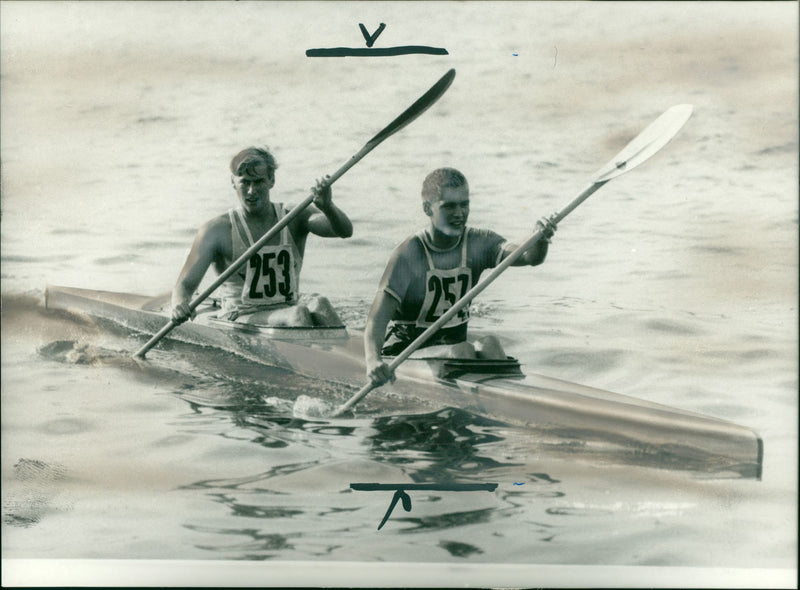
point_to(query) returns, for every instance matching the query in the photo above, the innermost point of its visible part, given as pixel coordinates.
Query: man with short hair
(429, 271)
(264, 290)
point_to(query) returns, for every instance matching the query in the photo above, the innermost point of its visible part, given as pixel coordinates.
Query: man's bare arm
(327, 220)
(204, 250)
(536, 254)
(382, 310)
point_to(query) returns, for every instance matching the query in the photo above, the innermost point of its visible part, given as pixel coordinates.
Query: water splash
(311, 407)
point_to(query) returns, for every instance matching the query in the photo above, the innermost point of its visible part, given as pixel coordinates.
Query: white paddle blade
(648, 142)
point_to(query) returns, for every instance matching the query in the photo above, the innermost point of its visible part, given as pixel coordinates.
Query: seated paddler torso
(432, 269)
(265, 289)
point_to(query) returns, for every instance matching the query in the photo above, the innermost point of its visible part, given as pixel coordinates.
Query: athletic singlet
(271, 275)
(426, 292)
(443, 287)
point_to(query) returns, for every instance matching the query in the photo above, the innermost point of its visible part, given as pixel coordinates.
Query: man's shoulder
(482, 233)
(409, 247)
(299, 221)
(406, 255)
(485, 246)
(215, 232)
(216, 224)
(482, 239)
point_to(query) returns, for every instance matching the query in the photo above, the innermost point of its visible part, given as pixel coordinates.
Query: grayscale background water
(676, 283)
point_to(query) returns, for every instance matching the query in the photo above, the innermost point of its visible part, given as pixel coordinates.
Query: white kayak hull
(636, 429)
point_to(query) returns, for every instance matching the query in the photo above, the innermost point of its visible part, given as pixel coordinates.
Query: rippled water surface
(676, 283)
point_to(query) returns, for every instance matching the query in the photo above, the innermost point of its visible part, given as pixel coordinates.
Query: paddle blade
(654, 137)
(415, 110)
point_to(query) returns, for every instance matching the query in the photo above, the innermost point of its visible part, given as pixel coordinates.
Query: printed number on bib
(443, 290)
(269, 275)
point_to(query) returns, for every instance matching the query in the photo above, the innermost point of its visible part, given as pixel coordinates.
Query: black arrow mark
(371, 38)
(401, 495)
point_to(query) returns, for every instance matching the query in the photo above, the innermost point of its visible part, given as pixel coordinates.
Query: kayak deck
(644, 431)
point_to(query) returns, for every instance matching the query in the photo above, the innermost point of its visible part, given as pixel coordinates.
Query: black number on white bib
(265, 268)
(445, 294)
(285, 263)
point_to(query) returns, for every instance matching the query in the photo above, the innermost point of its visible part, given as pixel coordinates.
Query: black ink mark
(370, 51)
(440, 487)
(400, 492)
(398, 495)
(375, 52)
(371, 38)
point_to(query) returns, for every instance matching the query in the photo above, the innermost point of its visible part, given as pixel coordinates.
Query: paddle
(648, 142)
(415, 110)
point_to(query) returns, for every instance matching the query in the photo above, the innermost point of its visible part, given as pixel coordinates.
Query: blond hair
(440, 179)
(247, 162)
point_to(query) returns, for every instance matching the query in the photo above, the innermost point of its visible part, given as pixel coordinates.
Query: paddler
(430, 270)
(265, 289)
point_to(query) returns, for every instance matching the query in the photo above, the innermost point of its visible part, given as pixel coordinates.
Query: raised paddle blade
(415, 110)
(654, 137)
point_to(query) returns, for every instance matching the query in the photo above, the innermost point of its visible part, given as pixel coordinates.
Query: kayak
(574, 418)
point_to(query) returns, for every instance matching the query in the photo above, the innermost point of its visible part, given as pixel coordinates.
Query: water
(676, 283)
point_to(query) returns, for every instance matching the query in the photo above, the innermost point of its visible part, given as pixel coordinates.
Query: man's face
(253, 192)
(449, 214)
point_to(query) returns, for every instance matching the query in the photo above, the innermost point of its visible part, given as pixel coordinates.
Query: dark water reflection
(257, 545)
(439, 446)
(253, 511)
(446, 444)
(448, 520)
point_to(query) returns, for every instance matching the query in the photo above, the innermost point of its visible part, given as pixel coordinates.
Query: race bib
(271, 277)
(442, 289)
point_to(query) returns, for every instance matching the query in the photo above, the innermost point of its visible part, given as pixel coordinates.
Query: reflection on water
(257, 544)
(442, 446)
(448, 520)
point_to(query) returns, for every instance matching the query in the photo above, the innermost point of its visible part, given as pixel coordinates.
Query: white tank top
(443, 288)
(271, 275)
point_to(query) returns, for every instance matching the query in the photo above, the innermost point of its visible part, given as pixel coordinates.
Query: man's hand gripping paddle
(415, 110)
(643, 146)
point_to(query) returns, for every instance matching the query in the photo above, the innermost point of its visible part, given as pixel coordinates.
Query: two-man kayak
(582, 418)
